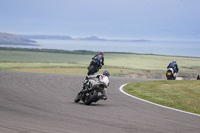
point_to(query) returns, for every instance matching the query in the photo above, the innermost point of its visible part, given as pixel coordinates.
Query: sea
(157, 47)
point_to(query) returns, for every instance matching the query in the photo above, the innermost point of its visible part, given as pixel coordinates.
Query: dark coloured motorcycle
(94, 67)
(170, 74)
(198, 77)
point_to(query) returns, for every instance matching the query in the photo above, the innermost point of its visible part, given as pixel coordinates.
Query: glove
(86, 80)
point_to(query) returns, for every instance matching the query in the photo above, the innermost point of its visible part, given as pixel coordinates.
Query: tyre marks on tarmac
(43, 103)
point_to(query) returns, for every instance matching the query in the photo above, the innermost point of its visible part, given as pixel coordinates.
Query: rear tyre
(169, 78)
(91, 70)
(169, 75)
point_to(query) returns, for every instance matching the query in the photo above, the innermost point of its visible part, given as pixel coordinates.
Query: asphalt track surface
(44, 103)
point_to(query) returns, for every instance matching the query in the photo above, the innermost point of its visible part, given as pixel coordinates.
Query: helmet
(101, 53)
(174, 61)
(106, 73)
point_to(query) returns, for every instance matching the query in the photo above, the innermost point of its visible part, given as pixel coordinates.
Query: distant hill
(95, 38)
(88, 38)
(55, 37)
(59, 37)
(10, 39)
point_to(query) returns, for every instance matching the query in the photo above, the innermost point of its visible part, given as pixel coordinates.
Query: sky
(135, 19)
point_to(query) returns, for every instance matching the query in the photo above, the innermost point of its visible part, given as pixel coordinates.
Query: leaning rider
(174, 66)
(99, 58)
(86, 84)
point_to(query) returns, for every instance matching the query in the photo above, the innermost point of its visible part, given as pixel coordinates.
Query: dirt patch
(136, 75)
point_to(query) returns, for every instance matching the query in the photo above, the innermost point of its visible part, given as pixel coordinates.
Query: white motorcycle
(93, 89)
(170, 74)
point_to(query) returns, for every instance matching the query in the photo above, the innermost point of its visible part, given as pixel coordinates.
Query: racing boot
(104, 94)
(103, 97)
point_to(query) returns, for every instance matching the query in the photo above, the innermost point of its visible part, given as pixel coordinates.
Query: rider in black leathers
(99, 58)
(174, 66)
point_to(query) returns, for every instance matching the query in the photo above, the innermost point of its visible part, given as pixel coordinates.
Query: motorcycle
(198, 77)
(170, 74)
(93, 90)
(94, 67)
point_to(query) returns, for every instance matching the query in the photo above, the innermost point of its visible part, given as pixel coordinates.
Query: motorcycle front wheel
(77, 99)
(90, 97)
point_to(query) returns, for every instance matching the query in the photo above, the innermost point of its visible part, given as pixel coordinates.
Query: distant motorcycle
(170, 74)
(93, 90)
(198, 77)
(94, 67)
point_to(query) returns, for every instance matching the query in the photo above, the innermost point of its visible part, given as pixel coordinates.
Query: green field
(120, 64)
(183, 95)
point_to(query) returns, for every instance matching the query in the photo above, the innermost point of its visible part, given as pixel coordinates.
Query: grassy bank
(120, 64)
(183, 95)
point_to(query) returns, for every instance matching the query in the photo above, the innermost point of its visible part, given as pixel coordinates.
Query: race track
(44, 103)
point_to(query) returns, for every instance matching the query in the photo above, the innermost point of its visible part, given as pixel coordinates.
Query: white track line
(121, 89)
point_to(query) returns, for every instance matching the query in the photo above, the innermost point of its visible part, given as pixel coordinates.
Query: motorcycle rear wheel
(169, 75)
(91, 70)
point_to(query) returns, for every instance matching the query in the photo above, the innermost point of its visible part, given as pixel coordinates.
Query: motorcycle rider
(99, 58)
(97, 77)
(174, 66)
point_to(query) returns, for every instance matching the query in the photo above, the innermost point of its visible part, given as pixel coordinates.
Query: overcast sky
(144, 19)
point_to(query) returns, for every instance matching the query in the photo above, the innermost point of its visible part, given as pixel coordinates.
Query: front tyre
(90, 97)
(77, 99)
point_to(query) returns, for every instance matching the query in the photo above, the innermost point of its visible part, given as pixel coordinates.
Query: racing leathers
(99, 59)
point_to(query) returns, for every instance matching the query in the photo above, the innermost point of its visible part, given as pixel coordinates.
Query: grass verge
(182, 95)
(120, 64)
